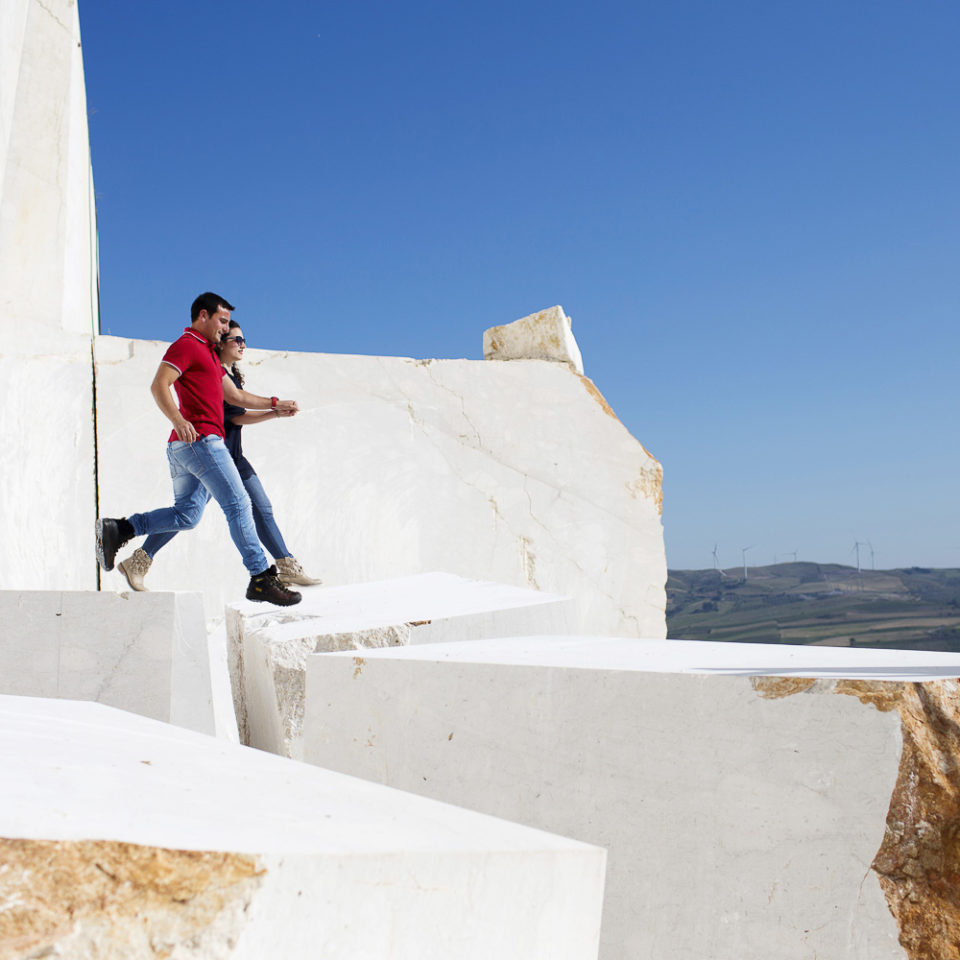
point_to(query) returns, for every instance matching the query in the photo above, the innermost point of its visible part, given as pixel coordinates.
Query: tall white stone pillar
(48, 301)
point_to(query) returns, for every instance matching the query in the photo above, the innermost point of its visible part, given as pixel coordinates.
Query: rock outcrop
(545, 335)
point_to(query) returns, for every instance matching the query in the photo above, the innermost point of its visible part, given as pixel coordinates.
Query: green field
(915, 608)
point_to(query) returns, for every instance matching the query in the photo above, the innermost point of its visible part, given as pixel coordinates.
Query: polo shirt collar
(193, 334)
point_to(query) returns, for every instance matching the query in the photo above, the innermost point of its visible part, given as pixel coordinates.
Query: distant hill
(916, 608)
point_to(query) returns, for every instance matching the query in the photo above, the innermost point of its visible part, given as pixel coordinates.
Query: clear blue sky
(750, 209)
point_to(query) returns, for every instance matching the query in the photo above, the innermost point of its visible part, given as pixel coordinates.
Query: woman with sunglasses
(289, 570)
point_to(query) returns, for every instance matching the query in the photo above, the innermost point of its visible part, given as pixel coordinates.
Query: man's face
(214, 325)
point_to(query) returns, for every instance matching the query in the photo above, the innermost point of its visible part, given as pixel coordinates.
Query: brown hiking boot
(267, 587)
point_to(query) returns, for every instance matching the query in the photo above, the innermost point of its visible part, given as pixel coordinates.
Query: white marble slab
(737, 824)
(48, 301)
(689, 656)
(343, 869)
(143, 652)
(516, 472)
(269, 646)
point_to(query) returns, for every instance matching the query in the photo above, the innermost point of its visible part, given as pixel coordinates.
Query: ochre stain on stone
(113, 900)
(918, 863)
(591, 388)
(773, 688)
(919, 860)
(650, 482)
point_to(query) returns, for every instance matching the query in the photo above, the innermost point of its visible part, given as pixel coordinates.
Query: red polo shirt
(200, 384)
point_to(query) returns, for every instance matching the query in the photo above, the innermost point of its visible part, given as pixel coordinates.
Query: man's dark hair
(211, 302)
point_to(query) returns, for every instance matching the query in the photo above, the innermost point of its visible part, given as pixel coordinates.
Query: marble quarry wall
(513, 471)
(48, 301)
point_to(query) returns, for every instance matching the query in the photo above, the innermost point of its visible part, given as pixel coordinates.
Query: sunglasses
(239, 341)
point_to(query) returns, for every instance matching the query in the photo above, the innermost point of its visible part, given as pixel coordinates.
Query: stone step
(269, 646)
(742, 790)
(143, 652)
(125, 837)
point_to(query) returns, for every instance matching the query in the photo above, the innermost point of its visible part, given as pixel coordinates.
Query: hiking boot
(135, 568)
(111, 536)
(267, 586)
(289, 571)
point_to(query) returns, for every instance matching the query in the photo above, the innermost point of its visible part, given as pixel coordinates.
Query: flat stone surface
(333, 866)
(269, 646)
(689, 656)
(741, 804)
(143, 652)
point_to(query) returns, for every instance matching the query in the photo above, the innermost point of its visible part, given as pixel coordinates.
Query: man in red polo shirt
(200, 464)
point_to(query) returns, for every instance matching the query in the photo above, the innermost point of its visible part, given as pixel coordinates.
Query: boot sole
(101, 557)
(277, 603)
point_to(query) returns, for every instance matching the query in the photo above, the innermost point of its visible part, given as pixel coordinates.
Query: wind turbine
(743, 551)
(873, 561)
(716, 560)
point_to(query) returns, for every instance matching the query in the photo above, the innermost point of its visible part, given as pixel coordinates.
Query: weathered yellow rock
(117, 901)
(546, 335)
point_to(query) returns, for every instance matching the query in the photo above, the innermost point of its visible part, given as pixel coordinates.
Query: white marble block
(546, 335)
(48, 301)
(143, 652)
(269, 647)
(519, 473)
(128, 839)
(741, 810)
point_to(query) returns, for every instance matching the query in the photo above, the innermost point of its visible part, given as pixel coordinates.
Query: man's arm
(160, 388)
(243, 398)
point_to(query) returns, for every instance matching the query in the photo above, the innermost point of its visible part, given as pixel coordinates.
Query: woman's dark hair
(234, 369)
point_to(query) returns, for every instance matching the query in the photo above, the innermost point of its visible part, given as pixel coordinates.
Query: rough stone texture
(128, 838)
(269, 649)
(919, 860)
(740, 815)
(545, 335)
(48, 302)
(143, 652)
(510, 472)
(117, 901)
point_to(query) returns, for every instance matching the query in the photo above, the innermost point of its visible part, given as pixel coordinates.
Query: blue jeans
(199, 471)
(267, 529)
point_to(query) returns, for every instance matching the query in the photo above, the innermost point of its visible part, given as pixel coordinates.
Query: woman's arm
(243, 398)
(260, 416)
